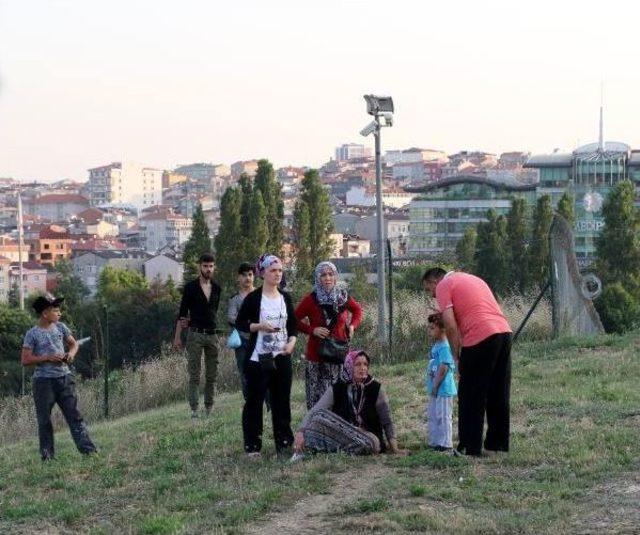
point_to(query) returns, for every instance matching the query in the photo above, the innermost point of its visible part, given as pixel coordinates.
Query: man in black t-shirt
(198, 309)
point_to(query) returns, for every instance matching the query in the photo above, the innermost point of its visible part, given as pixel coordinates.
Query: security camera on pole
(379, 106)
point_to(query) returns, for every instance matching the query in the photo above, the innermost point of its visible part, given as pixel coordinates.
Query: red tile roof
(54, 198)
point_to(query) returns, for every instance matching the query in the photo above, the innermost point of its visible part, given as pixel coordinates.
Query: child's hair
(436, 319)
(245, 267)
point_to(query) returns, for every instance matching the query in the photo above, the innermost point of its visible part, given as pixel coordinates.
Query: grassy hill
(574, 465)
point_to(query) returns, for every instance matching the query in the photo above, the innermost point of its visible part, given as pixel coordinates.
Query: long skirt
(326, 432)
(319, 376)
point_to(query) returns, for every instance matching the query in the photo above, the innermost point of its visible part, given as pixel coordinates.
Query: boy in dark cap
(53, 381)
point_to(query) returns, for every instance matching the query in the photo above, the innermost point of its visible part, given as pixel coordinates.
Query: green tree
(491, 259)
(228, 243)
(618, 309)
(618, 245)
(301, 236)
(116, 285)
(465, 250)
(517, 246)
(361, 289)
(265, 182)
(71, 287)
(313, 241)
(565, 208)
(618, 260)
(14, 323)
(538, 254)
(199, 242)
(259, 235)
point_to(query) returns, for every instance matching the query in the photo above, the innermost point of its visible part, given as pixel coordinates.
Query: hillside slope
(574, 465)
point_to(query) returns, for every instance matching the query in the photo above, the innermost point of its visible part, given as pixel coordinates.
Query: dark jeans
(485, 383)
(240, 359)
(61, 390)
(278, 384)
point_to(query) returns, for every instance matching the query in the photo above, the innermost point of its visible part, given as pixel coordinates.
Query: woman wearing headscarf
(352, 416)
(267, 315)
(321, 314)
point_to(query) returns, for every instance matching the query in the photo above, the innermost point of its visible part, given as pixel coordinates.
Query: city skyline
(83, 85)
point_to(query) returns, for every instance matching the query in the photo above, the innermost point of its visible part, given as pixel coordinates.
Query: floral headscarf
(336, 297)
(347, 367)
(264, 262)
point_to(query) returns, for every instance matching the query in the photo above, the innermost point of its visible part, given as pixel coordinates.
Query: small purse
(331, 350)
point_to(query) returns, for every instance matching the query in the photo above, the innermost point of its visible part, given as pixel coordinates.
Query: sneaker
(207, 411)
(458, 453)
(194, 414)
(254, 456)
(296, 458)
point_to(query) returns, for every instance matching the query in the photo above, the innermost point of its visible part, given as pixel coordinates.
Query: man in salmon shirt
(480, 339)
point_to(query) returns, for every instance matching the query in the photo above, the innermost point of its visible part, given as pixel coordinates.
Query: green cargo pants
(197, 343)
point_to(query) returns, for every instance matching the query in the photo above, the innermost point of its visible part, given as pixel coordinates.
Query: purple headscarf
(347, 367)
(264, 262)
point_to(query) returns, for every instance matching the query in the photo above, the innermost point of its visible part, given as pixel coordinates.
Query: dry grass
(156, 383)
(164, 380)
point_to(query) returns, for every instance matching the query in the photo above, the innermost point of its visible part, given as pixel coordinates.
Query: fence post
(105, 351)
(390, 279)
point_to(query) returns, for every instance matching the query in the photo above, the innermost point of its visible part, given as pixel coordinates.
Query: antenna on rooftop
(601, 134)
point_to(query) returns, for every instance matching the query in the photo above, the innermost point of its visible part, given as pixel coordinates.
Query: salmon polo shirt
(477, 312)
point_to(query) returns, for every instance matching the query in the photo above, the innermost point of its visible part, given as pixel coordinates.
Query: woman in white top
(267, 314)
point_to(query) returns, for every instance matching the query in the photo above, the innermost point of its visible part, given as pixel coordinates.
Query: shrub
(619, 310)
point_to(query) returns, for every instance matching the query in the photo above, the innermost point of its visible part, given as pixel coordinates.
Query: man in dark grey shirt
(245, 287)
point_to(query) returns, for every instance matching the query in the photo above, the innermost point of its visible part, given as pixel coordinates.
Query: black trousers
(278, 384)
(61, 390)
(485, 384)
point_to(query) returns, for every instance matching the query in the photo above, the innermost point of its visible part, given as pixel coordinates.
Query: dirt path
(315, 513)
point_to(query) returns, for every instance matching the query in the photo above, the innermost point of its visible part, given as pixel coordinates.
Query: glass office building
(588, 174)
(445, 209)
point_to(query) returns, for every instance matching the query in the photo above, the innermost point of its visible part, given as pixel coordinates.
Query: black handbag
(331, 350)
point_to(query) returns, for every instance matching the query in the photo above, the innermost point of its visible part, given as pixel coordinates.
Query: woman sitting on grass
(350, 416)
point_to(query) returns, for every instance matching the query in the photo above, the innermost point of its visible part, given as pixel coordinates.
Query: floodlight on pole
(379, 107)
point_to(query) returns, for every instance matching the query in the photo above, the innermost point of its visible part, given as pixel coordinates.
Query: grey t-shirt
(48, 342)
(235, 302)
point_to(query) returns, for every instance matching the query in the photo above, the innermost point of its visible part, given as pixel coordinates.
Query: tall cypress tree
(618, 245)
(313, 224)
(265, 182)
(538, 257)
(517, 246)
(465, 250)
(199, 242)
(301, 234)
(491, 257)
(229, 246)
(565, 208)
(259, 236)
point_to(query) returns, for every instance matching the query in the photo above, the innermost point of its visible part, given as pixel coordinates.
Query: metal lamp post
(379, 107)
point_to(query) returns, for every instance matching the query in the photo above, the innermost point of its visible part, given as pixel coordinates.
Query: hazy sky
(84, 83)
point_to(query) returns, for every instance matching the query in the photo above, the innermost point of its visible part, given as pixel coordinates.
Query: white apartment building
(359, 196)
(125, 183)
(351, 151)
(414, 155)
(160, 229)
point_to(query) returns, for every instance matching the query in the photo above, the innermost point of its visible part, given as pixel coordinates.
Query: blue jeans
(61, 390)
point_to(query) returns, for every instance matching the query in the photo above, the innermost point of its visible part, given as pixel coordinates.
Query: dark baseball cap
(45, 301)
